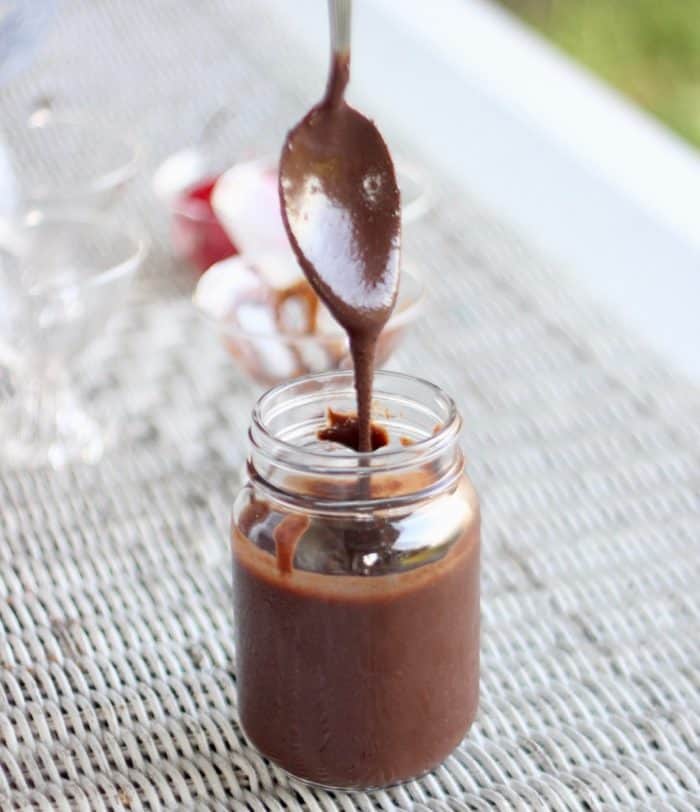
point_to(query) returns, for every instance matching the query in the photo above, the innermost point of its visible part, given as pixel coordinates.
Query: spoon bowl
(341, 208)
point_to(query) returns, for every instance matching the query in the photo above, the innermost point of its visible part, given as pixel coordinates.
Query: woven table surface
(117, 667)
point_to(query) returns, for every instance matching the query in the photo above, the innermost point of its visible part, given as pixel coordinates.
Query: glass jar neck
(290, 463)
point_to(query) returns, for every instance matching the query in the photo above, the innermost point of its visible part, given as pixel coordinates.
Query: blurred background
(547, 154)
(648, 50)
(574, 124)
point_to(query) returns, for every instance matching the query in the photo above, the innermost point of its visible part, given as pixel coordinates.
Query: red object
(196, 231)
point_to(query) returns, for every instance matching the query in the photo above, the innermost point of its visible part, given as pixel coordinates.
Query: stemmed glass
(62, 275)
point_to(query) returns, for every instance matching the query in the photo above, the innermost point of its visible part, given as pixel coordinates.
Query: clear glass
(269, 357)
(73, 160)
(61, 276)
(356, 586)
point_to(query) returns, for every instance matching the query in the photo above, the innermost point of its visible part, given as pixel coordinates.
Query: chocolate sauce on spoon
(341, 209)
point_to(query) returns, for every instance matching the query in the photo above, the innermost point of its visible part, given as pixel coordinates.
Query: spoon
(341, 210)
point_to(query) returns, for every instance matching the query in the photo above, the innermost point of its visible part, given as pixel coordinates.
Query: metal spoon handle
(340, 14)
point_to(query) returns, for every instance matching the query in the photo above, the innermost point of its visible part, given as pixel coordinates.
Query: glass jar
(356, 585)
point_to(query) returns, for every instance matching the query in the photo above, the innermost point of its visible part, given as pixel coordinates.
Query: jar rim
(389, 458)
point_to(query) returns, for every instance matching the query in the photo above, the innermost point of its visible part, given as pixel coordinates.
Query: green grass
(648, 49)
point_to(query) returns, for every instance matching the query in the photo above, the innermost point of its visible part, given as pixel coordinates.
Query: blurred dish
(278, 334)
(187, 182)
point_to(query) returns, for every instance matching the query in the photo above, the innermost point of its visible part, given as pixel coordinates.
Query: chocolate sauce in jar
(357, 613)
(358, 681)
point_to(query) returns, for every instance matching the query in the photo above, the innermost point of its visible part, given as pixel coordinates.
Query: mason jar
(356, 585)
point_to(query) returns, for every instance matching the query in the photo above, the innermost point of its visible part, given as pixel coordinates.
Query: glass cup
(75, 160)
(267, 352)
(356, 585)
(61, 277)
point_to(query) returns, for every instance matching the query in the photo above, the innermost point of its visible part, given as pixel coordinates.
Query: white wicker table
(117, 669)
